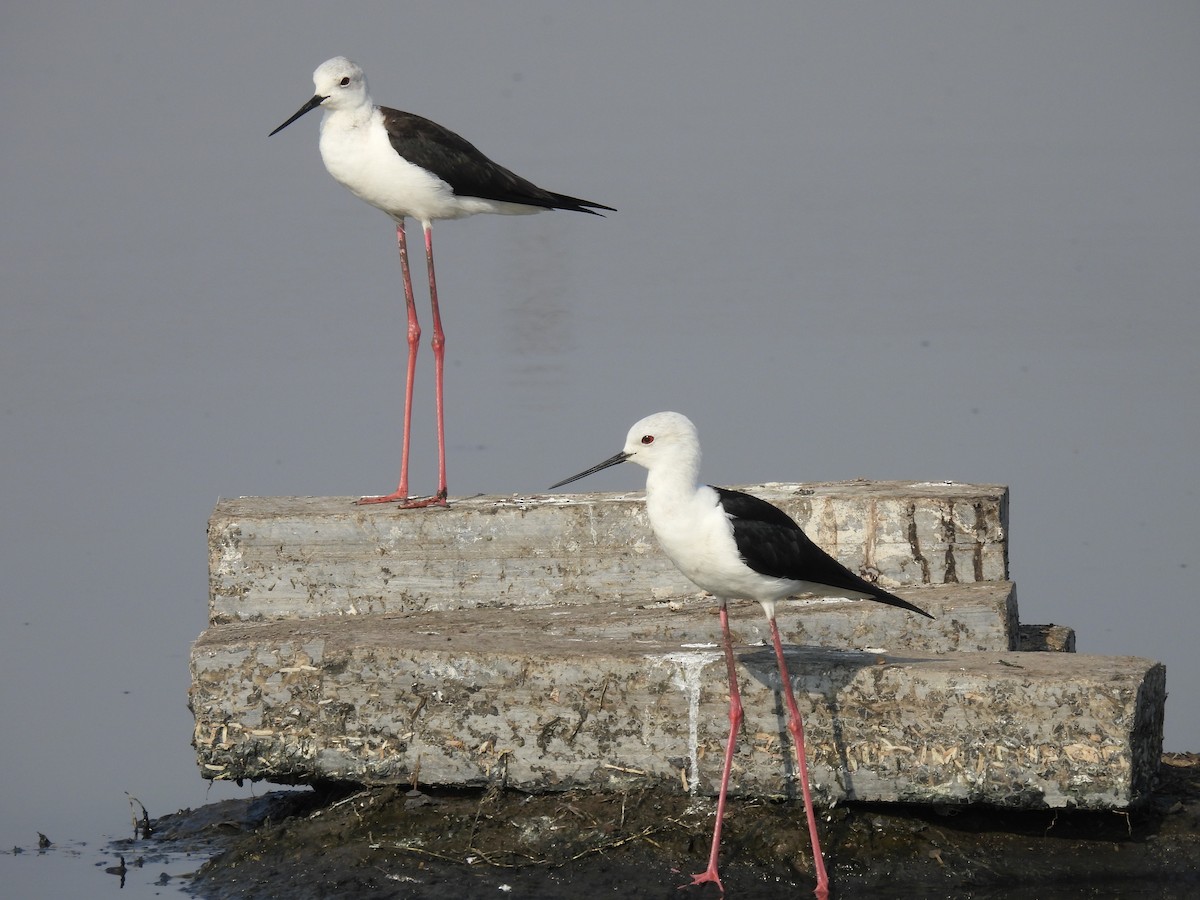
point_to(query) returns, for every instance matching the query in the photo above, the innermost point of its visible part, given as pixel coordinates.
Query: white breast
(697, 536)
(359, 156)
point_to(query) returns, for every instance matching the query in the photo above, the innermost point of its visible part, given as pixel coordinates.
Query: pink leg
(439, 370)
(414, 343)
(735, 723)
(796, 727)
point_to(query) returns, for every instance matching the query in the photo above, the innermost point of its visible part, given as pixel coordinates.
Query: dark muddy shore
(393, 842)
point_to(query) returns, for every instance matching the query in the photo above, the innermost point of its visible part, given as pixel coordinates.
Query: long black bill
(611, 461)
(307, 107)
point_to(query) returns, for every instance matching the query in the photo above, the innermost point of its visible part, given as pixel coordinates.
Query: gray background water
(929, 240)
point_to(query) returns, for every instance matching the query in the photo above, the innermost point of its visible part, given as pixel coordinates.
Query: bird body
(357, 153)
(736, 546)
(410, 167)
(697, 535)
(404, 165)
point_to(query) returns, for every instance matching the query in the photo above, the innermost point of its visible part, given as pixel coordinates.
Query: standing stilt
(735, 545)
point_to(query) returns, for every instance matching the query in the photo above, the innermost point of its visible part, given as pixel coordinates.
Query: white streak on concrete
(689, 678)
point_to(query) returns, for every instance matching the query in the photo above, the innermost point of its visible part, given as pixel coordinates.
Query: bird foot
(708, 875)
(438, 499)
(383, 498)
(406, 502)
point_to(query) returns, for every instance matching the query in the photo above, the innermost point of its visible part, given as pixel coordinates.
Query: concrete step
(295, 557)
(545, 643)
(606, 697)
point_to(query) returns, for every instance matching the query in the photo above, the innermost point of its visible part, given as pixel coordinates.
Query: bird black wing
(771, 543)
(461, 165)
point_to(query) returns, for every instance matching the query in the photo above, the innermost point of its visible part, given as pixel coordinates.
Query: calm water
(78, 870)
(880, 241)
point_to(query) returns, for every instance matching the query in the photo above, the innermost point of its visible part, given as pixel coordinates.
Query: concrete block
(295, 557)
(585, 696)
(1055, 638)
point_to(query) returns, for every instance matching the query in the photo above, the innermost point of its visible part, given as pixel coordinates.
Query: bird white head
(665, 438)
(663, 442)
(341, 82)
(341, 85)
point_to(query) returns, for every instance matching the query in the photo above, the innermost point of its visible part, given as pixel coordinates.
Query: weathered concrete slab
(545, 643)
(276, 558)
(559, 698)
(1055, 638)
(967, 617)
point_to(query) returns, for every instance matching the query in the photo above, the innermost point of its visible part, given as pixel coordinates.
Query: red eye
(647, 439)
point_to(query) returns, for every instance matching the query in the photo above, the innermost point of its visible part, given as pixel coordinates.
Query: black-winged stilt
(410, 167)
(735, 546)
